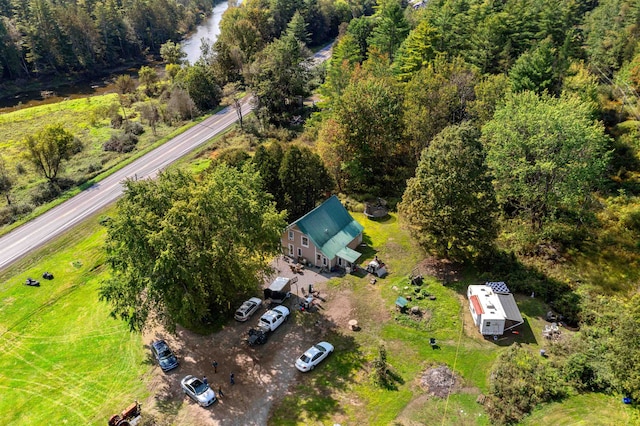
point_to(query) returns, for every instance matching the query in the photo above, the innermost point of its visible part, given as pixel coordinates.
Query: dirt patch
(263, 374)
(439, 381)
(443, 269)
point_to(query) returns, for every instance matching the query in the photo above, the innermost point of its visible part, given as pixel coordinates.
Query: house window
(340, 261)
(488, 323)
(291, 235)
(324, 261)
(305, 241)
(291, 250)
(299, 252)
(318, 259)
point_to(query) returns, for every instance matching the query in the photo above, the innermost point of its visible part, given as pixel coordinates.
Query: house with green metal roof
(326, 236)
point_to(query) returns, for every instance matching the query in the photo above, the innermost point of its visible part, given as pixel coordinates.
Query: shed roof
(329, 226)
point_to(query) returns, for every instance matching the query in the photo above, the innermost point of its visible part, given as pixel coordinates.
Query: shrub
(134, 127)
(125, 142)
(45, 192)
(520, 381)
(10, 214)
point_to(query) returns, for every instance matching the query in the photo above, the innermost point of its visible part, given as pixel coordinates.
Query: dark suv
(163, 354)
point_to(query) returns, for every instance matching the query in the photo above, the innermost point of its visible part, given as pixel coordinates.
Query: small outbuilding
(493, 308)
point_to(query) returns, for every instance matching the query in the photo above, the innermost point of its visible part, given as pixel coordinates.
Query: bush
(134, 127)
(125, 142)
(44, 193)
(519, 382)
(10, 214)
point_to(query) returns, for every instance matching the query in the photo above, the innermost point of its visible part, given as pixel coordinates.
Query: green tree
(534, 71)
(623, 354)
(267, 161)
(416, 50)
(546, 154)
(390, 27)
(297, 28)
(148, 77)
(181, 250)
(279, 79)
(172, 53)
(201, 86)
(436, 97)
(304, 180)
(370, 146)
(450, 205)
(48, 149)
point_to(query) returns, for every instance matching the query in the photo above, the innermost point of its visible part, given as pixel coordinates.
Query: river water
(209, 30)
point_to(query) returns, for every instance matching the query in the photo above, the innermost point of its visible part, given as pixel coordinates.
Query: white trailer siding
(488, 310)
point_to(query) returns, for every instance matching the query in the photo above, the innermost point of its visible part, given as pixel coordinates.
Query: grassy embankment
(87, 119)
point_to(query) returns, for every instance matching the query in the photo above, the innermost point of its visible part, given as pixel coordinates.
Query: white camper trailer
(493, 308)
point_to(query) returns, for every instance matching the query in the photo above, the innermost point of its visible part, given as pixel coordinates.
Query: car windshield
(304, 358)
(199, 387)
(320, 348)
(165, 353)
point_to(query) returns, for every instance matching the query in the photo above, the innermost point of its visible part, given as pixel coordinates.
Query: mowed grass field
(63, 360)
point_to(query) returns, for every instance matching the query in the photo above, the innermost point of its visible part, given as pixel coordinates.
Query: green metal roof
(329, 226)
(348, 254)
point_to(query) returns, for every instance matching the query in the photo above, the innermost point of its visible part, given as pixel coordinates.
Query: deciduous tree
(48, 149)
(546, 154)
(450, 205)
(182, 250)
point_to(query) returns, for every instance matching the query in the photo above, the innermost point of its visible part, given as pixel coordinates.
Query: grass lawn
(63, 360)
(341, 391)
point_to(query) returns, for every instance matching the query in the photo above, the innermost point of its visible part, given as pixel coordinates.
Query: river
(209, 30)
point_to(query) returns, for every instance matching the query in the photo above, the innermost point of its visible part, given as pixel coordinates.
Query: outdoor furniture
(353, 325)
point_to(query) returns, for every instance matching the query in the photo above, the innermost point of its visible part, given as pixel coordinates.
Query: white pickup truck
(272, 319)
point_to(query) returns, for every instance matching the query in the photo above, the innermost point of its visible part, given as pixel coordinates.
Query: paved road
(42, 229)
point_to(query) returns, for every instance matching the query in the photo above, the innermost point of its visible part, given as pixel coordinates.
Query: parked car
(313, 356)
(198, 391)
(164, 355)
(247, 309)
(272, 319)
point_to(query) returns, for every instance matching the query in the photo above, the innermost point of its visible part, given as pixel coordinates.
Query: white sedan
(198, 391)
(247, 309)
(313, 356)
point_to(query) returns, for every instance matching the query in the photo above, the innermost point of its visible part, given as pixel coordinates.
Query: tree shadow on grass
(392, 380)
(314, 397)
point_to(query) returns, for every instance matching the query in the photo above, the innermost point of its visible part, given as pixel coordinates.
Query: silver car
(198, 391)
(247, 309)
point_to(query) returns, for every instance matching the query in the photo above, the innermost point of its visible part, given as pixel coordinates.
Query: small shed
(493, 308)
(401, 303)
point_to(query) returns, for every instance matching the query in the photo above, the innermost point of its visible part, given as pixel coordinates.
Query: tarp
(401, 301)
(348, 254)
